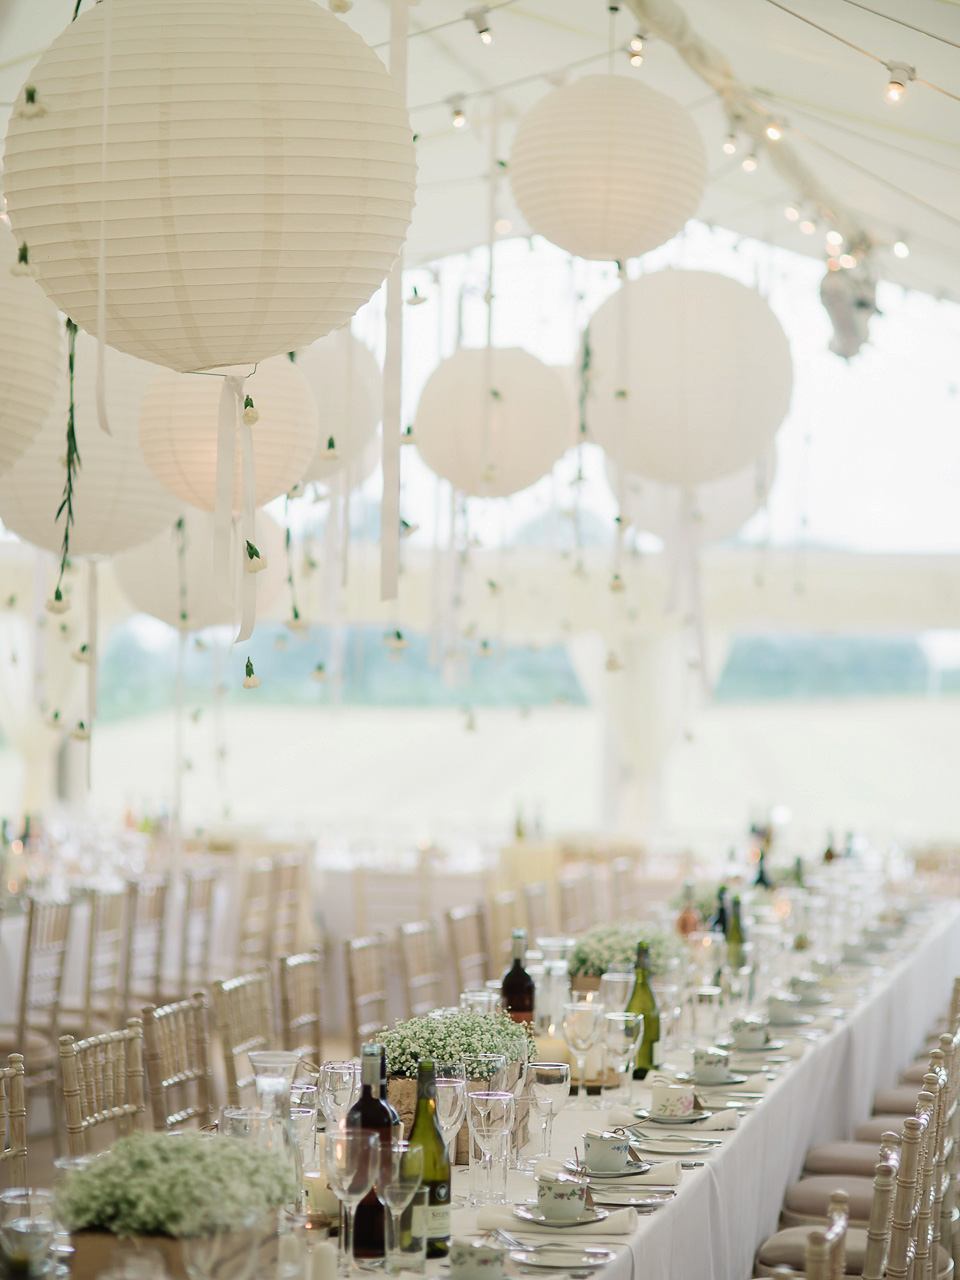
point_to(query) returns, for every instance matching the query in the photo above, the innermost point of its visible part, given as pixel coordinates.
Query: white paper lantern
(150, 576)
(345, 378)
(260, 175)
(117, 503)
(716, 510)
(31, 356)
(179, 419)
(690, 376)
(493, 437)
(607, 167)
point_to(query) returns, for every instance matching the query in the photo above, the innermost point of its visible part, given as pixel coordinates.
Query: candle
(323, 1261)
(552, 1049)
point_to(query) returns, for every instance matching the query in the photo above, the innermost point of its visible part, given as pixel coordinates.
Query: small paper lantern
(345, 378)
(31, 356)
(607, 167)
(493, 435)
(697, 384)
(117, 503)
(179, 421)
(715, 510)
(150, 576)
(260, 175)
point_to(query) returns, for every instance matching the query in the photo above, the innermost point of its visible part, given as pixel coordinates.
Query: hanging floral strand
(287, 541)
(58, 604)
(181, 536)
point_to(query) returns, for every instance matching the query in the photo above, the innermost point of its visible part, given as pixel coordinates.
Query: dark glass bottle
(394, 1114)
(688, 921)
(735, 936)
(517, 991)
(762, 880)
(718, 921)
(642, 1000)
(426, 1133)
(370, 1113)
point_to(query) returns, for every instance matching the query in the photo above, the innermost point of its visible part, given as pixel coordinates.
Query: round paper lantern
(690, 376)
(117, 503)
(179, 420)
(31, 356)
(607, 167)
(345, 378)
(259, 178)
(150, 576)
(718, 509)
(492, 436)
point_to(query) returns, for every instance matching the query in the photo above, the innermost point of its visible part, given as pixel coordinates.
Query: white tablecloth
(711, 1230)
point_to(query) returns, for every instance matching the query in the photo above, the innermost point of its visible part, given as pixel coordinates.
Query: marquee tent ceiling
(894, 168)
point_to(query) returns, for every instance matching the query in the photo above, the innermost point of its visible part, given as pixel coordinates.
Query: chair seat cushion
(915, 1072)
(872, 1130)
(809, 1197)
(786, 1249)
(901, 1101)
(860, 1158)
(38, 1046)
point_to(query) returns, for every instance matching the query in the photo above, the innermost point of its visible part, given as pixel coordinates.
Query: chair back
(286, 896)
(539, 911)
(420, 967)
(904, 1223)
(366, 968)
(44, 958)
(13, 1120)
(504, 914)
(300, 983)
(881, 1209)
(466, 935)
(244, 1010)
(196, 930)
(253, 935)
(826, 1250)
(107, 935)
(572, 895)
(102, 1080)
(177, 1054)
(147, 900)
(623, 889)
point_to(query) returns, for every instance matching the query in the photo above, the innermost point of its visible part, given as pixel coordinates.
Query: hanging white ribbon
(230, 399)
(102, 251)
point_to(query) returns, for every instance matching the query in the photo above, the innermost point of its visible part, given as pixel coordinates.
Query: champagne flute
(490, 1117)
(622, 1033)
(339, 1088)
(351, 1160)
(549, 1084)
(582, 1025)
(400, 1174)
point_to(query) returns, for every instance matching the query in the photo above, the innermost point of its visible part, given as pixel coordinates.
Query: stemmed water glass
(351, 1161)
(548, 1084)
(490, 1115)
(621, 1035)
(616, 989)
(339, 1088)
(399, 1176)
(582, 1027)
(451, 1110)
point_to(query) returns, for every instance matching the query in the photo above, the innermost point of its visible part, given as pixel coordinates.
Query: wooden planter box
(96, 1252)
(402, 1093)
(581, 984)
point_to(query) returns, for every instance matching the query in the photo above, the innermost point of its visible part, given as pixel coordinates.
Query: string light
(791, 213)
(502, 226)
(774, 131)
(730, 144)
(749, 162)
(808, 227)
(834, 238)
(636, 50)
(901, 249)
(478, 16)
(455, 103)
(833, 264)
(900, 76)
(847, 261)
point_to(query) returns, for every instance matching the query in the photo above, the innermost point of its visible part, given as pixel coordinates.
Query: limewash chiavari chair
(571, 892)
(147, 900)
(504, 914)
(466, 936)
(13, 1120)
(106, 940)
(102, 1079)
(623, 889)
(253, 934)
(365, 963)
(196, 931)
(244, 1009)
(538, 910)
(824, 1252)
(177, 1056)
(300, 984)
(418, 950)
(286, 889)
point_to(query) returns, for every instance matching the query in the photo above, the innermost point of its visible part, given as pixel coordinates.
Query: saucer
(564, 1257)
(530, 1213)
(630, 1169)
(770, 1047)
(732, 1078)
(818, 998)
(642, 1114)
(801, 1020)
(677, 1145)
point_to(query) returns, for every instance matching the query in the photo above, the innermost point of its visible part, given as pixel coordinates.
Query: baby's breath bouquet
(453, 1038)
(613, 947)
(155, 1184)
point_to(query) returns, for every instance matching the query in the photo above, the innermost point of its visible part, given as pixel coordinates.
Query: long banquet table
(711, 1229)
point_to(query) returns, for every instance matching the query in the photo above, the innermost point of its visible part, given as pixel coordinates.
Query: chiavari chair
(102, 1081)
(286, 892)
(177, 1056)
(253, 934)
(13, 1120)
(365, 963)
(504, 914)
(300, 984)
(244, 1009)
(623, 889)
(466, 936)
(196, 931)
(106, 940)
(571, 892)
(147, 901)
(538, 910)
(418, 950)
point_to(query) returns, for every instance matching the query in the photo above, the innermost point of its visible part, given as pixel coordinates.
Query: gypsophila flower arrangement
(157, 1184)
(454, 1037)
(614, 947)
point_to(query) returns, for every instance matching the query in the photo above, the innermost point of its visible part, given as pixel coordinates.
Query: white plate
(732, 1078)
(690, 1119)
(630, 1170)
(635, 1199)
(562, 1258)
(801, 1020)
(675, 1145)
(527, 1214)
(770, 1047)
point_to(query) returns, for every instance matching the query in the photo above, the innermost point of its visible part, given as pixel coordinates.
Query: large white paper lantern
(179, 421)
(607, 167)
(31, 356)
(150, 576)
(259, 184)
(346, 380)
(117, 503)
(690, 376)
(706, 513)
(493, 422)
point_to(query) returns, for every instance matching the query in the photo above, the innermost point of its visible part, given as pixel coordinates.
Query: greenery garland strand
(73, 460)
(181, 537)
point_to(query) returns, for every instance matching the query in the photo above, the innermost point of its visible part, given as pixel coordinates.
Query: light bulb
(901, 249)
(847, 261)
(459, 119)
(900, 76)
(636, 59)
(895, 91)
(455, 103)
(730, 144)
(478, 16)
(808, 227)
(791, 213)
(749, 163)
(774, 131)
(834, 238)
(636, 43)
(502, 226)
(833, 264)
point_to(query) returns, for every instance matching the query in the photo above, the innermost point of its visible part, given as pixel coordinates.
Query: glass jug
(273, 1071)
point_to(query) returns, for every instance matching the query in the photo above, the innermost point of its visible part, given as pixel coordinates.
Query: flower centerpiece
(613, 947)
(168, 1187)
(456, 1037)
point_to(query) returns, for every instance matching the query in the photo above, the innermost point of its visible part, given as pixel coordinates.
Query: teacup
(855, 952)
(749, 1032)
(671, 1100)
(605, 1152)
(711, 1066)
(807, 987)
(560, 1198)
(475, 1260)
(784, 1009)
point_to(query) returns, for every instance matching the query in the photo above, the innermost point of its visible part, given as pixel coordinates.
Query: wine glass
(616, 989)
(582, 1025)
(351, 1160)
(399, 1176)
(490, 1116)
(520, 1113)
(451, 1111)
(622, 1033)
(28, 1228)
(339, 1088)
(549, 1086)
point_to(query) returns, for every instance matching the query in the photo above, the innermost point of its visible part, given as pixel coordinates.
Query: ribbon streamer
(102, 251)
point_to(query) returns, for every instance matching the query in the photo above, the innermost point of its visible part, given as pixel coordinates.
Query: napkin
(498, 1217)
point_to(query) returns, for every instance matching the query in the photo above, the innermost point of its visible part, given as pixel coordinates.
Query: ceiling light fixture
(901, 249)
(791, 213)
(478, 16)
(749, 162)
(455, 103)
(774, 131)
(730, 144)
(900, 76)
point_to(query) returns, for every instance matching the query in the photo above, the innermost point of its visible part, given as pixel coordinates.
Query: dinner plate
(630, 1169)
(732, 1078)
(633, 1199)
(675, 1145)
(770, 1047)
(528, 1213)
(801, 1020)
(642, 1114)
(567, 1257)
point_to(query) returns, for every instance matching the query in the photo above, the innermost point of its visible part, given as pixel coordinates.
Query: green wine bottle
(642, 1000)
(426, 1133)
(735, 936)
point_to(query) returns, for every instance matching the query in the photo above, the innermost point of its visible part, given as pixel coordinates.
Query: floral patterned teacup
(671, 1100)
(560, 1198)
(711, 1065)
(605, 1152)
(784, 1010)
(475, 1260)
(749, 1032)
(807, 987)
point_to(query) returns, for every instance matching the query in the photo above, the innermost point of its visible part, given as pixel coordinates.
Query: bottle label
(417, 1221)
(438, 1221)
